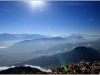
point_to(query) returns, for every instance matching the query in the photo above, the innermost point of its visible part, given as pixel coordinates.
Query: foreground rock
(82, 67)
(79, 68)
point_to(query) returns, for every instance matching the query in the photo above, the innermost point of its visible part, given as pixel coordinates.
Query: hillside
(73, 56)
(99, 50)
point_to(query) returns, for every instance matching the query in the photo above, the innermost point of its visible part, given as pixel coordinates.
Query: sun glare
(35, 3)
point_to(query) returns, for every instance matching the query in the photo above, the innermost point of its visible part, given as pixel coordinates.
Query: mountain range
(73, 56)
(8, 37)
(28, 49)
(40, 46)
(43, 43)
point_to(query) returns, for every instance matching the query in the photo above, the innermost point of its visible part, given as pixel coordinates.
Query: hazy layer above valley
(24, 47)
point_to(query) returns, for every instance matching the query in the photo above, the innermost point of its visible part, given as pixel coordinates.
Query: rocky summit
(82, 67)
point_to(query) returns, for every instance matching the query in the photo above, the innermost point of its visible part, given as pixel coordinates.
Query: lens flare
(65, 68)
(62, 62)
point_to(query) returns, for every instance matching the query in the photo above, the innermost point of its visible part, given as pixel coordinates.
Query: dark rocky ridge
(22, 70)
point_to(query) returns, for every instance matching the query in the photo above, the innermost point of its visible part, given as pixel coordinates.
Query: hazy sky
(51, 18)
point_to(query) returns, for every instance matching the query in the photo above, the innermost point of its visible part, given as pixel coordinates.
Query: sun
(35, 3)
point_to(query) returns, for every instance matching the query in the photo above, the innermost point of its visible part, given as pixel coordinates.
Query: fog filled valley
(48, 49)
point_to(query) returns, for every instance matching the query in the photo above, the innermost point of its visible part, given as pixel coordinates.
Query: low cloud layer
(2, 47)
(38, 67)
(5, 67)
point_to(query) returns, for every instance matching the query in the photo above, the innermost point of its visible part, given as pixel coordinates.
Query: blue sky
(50, 17)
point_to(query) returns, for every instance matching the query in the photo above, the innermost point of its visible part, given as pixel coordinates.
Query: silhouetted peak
(81, 48)
(22, 70)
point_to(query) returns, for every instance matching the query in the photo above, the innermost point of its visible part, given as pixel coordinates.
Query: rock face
(82, 67)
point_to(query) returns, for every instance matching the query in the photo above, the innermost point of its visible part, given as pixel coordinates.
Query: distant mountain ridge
(8, 37)
(59, 40)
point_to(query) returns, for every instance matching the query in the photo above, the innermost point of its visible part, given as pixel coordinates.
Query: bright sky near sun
(50, 17)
